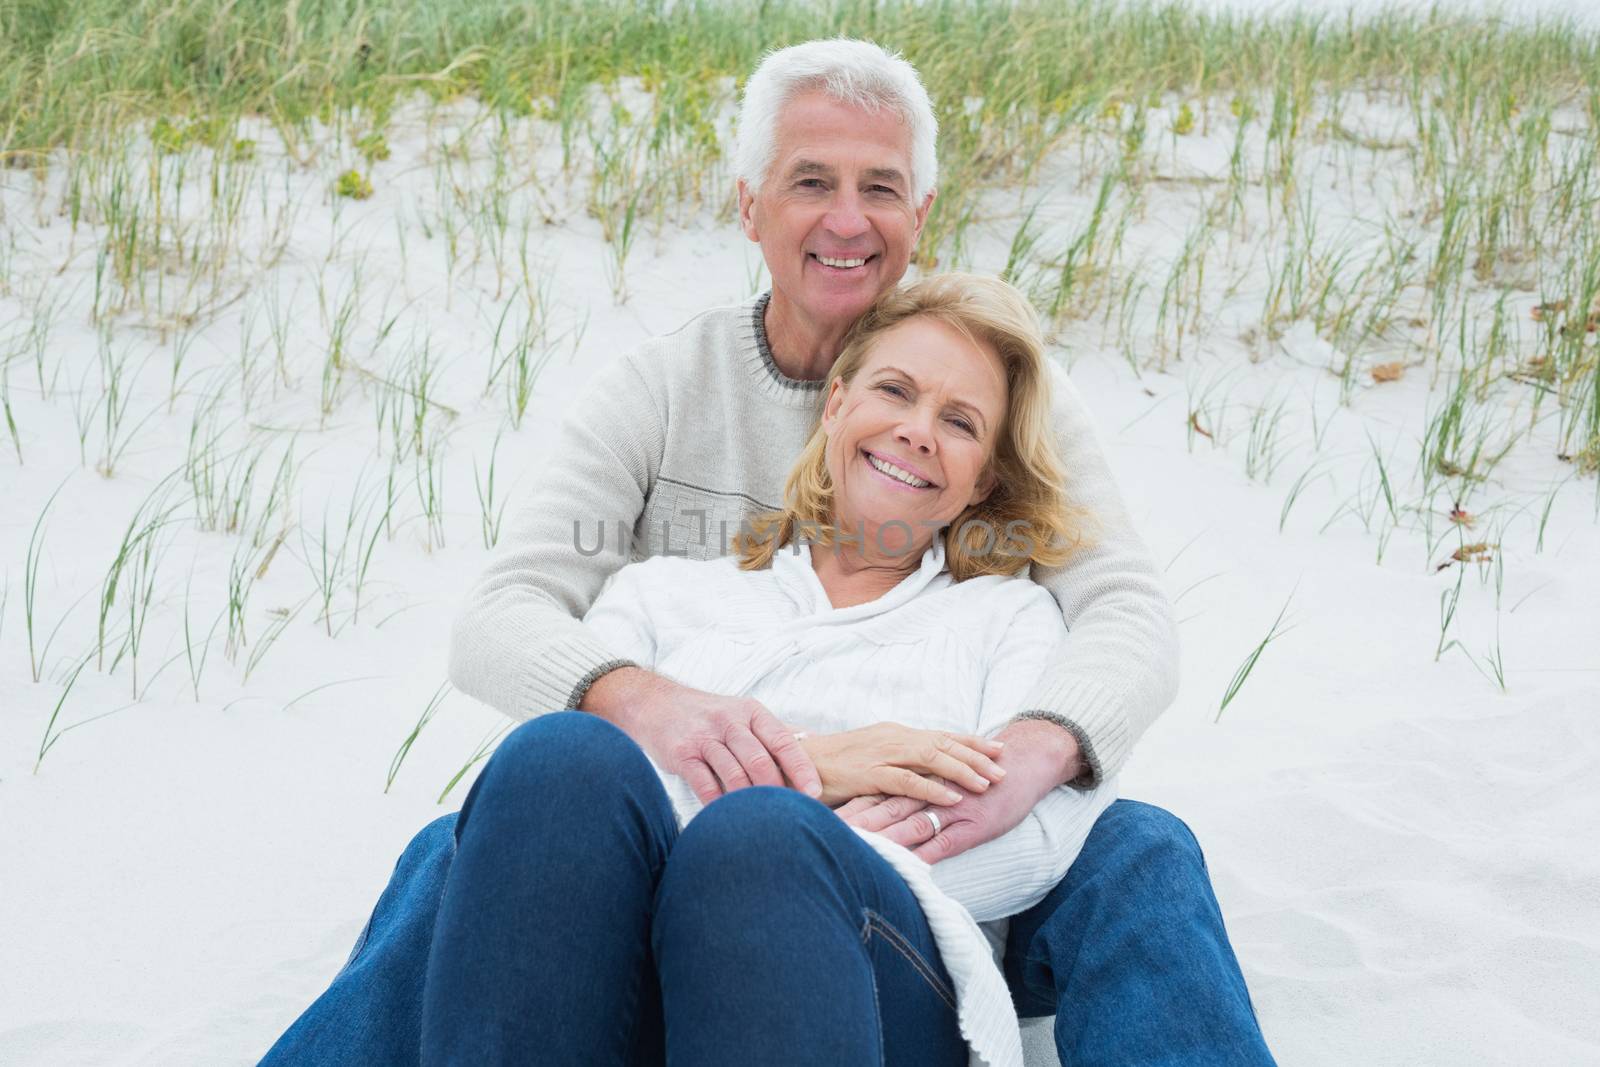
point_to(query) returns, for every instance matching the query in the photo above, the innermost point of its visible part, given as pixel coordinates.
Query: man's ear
(747, 219)
(922, 215)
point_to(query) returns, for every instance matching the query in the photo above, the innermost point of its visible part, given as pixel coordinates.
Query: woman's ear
(987, 482)
(830, 410)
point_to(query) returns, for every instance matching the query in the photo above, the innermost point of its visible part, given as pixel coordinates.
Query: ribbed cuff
(554, 675)
(594, 676)
(1090, 712)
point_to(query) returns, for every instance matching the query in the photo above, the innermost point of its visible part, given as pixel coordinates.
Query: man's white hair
(857, 73)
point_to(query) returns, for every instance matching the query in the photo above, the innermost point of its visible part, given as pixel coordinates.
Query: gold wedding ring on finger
(933, 817)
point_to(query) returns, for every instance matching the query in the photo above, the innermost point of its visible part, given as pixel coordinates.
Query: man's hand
(715, 743)
(1038, 757)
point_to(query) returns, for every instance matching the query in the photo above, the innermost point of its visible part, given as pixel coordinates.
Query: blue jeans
(1128, 952)
(575, 924)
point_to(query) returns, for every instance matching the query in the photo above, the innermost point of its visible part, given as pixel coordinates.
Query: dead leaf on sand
(1477, 552)
(1388, 372)
(1194, 421)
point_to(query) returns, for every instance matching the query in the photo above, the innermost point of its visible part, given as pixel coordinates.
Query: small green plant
(30, 580)
(1587, 458)
(492, 514)
(196, 653)
(51, 734)
(327, 559)
(5, 408)
(428, 713)
(485, 747)
(281, 618)
(1294, 492)
(373, 147)
(1249, 664)
(353, 184)
(169, 138)
(1183, 125)
(1449, 601)
(166, 137)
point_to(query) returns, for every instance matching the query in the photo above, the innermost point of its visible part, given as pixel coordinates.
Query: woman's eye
(892, 389)
(963, 425)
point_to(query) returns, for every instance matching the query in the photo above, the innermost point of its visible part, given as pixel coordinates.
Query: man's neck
(802, 348)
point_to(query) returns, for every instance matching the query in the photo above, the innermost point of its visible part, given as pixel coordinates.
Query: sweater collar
(794, 392)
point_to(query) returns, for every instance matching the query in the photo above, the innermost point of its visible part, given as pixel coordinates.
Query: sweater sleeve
(1118, 667)
(518, 643)
(1014, 871)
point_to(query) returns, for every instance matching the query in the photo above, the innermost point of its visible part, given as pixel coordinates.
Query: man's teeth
(825, 261)
(895, 472)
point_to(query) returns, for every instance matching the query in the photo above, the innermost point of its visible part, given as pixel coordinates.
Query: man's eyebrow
(886, 174)
(808, 167)
(977, 415)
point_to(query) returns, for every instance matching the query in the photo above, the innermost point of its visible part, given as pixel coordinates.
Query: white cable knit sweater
(930, 653)
(673, 444)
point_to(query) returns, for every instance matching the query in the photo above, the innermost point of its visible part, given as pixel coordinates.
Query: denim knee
(755, 829)
(1144, 834)
(583, 757)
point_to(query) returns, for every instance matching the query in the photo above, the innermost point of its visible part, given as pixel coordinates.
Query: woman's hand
(1041, 757)
(891, 759)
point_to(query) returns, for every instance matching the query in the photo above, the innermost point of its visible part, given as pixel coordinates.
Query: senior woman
(595, 913)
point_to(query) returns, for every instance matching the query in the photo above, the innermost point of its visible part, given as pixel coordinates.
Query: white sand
(1405, 854)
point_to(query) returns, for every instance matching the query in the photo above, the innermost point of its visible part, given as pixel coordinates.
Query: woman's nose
(916, 431)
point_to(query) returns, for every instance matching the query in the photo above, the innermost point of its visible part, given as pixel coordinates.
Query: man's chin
(842, 301)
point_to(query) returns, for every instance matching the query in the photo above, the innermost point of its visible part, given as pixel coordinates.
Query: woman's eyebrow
(977, 416)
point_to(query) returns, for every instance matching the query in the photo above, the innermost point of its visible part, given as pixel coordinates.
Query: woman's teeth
(895, 472)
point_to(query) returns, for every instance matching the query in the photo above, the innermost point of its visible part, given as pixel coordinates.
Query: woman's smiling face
(911, 435)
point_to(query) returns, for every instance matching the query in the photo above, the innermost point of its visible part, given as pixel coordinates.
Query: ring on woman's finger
(801, 736)
(933, 817)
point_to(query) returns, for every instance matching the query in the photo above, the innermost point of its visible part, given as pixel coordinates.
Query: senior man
(675, 444)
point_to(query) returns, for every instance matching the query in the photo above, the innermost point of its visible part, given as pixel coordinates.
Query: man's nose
(846, 217)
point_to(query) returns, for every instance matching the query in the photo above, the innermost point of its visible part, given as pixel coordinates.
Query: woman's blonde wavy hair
(1027, 518)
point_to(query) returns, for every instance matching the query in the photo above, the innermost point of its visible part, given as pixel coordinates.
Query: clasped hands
(884, 778)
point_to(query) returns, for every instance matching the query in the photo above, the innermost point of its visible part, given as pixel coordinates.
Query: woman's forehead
(933, 353)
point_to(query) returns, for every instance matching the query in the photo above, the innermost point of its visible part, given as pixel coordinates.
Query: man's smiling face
(834, 216)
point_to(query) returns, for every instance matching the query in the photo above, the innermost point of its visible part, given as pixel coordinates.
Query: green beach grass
(1399, 195)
